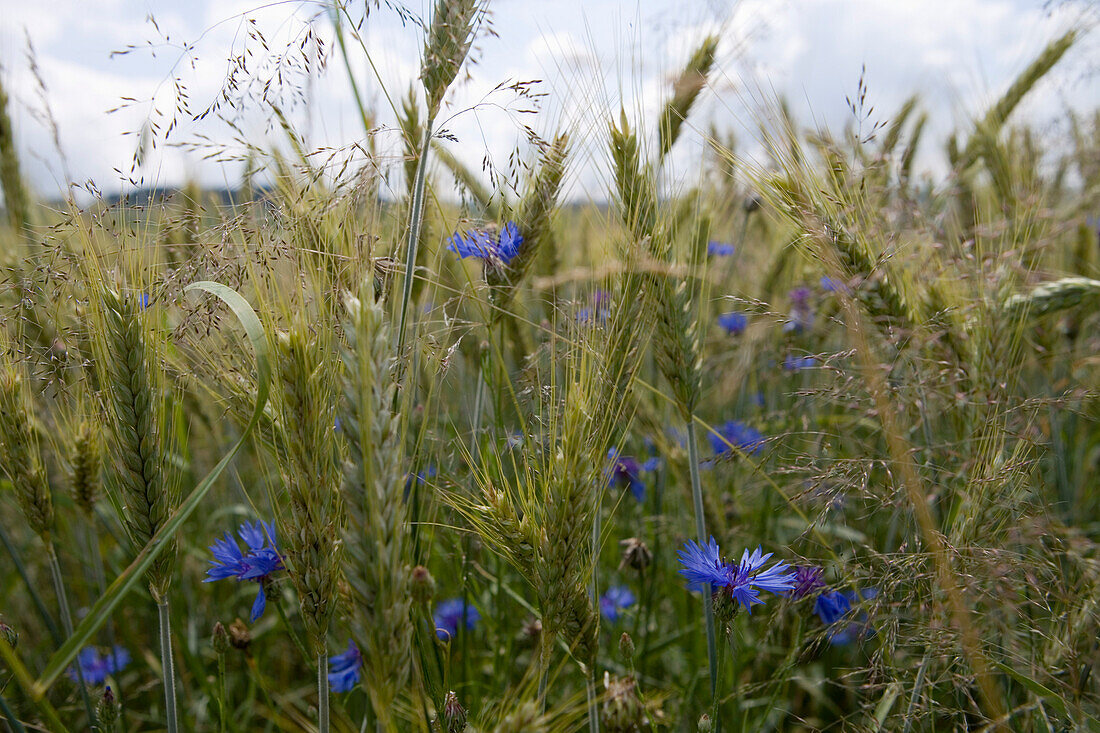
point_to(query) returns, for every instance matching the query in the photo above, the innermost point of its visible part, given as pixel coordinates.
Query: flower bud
(108, 710)
(239, 635)
(454, 716)
(423, 585)
(626, 646)
(220, 639)
(622, 710)
(9, 634)
(705, 724)
(636, 554)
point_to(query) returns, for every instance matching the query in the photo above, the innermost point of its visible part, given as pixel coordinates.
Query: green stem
(99, 574)
(416, 219)
(701, 533)
(359, 103)
(593, 708)
(322, 693)
(32, 589)
(168, 670)
(546, 647)
(223, 713)
(67, 624)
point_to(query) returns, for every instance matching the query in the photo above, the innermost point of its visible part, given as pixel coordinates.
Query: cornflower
(626, 471)
(832, 606)
(343, 669)
(450, 613)
(832, 285)
(739, 435)
(801, 316)
(797, 363)
(96, 667)
(734, 322)
(259, 564)
(598, 311)
(720, 249)
(807, 579)
(501, 249)
(741, 582)
(614, 600)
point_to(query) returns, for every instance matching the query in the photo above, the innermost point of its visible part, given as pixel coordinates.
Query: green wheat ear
(20, 456)
(445, 49)
(132, 382)
(308, 460)
(684, 93)
(1053, 297)
(85, 467)
(376, 546)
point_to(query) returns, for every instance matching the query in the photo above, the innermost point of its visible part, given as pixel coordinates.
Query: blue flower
(421, 478)
(748, 578)
(259, 564)
(450, 613)
(626, 471)
(343, 669)
(475, 243)
(797, 363)
(599, 311)
(801, 316)
(742, 582)
(95, 667)
(734, 322)
(720, 249)
(807, 579)
(702, 565)
(832, 285)
(832, 606)
(739, 435)
(614, 600)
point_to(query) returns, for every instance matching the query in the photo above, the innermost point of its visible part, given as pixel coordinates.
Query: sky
(79, 106)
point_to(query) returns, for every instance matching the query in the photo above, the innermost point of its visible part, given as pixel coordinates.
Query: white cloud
(593, 55)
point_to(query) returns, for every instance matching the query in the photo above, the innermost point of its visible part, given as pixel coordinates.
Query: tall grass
(476, 472)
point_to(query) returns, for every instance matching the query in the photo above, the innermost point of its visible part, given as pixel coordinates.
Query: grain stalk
(146, 496)
(308, 460)
(23, 464)
(376, 538)
(445, 49)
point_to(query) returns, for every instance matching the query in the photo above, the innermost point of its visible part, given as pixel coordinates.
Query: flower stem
(322, 693)
(168, 669)
(701, 533)
(67, 624)
(223, 714)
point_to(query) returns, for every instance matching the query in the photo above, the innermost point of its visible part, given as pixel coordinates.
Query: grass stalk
(416, 220)
(701, 534)
(223, 712)
(67, 624)
(592, 701)
(32, 589)
(322, 693)
(168, 671)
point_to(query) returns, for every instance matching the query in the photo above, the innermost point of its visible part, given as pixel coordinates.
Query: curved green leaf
(126, 581)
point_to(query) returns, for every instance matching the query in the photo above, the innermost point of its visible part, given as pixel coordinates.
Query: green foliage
(928, 417)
